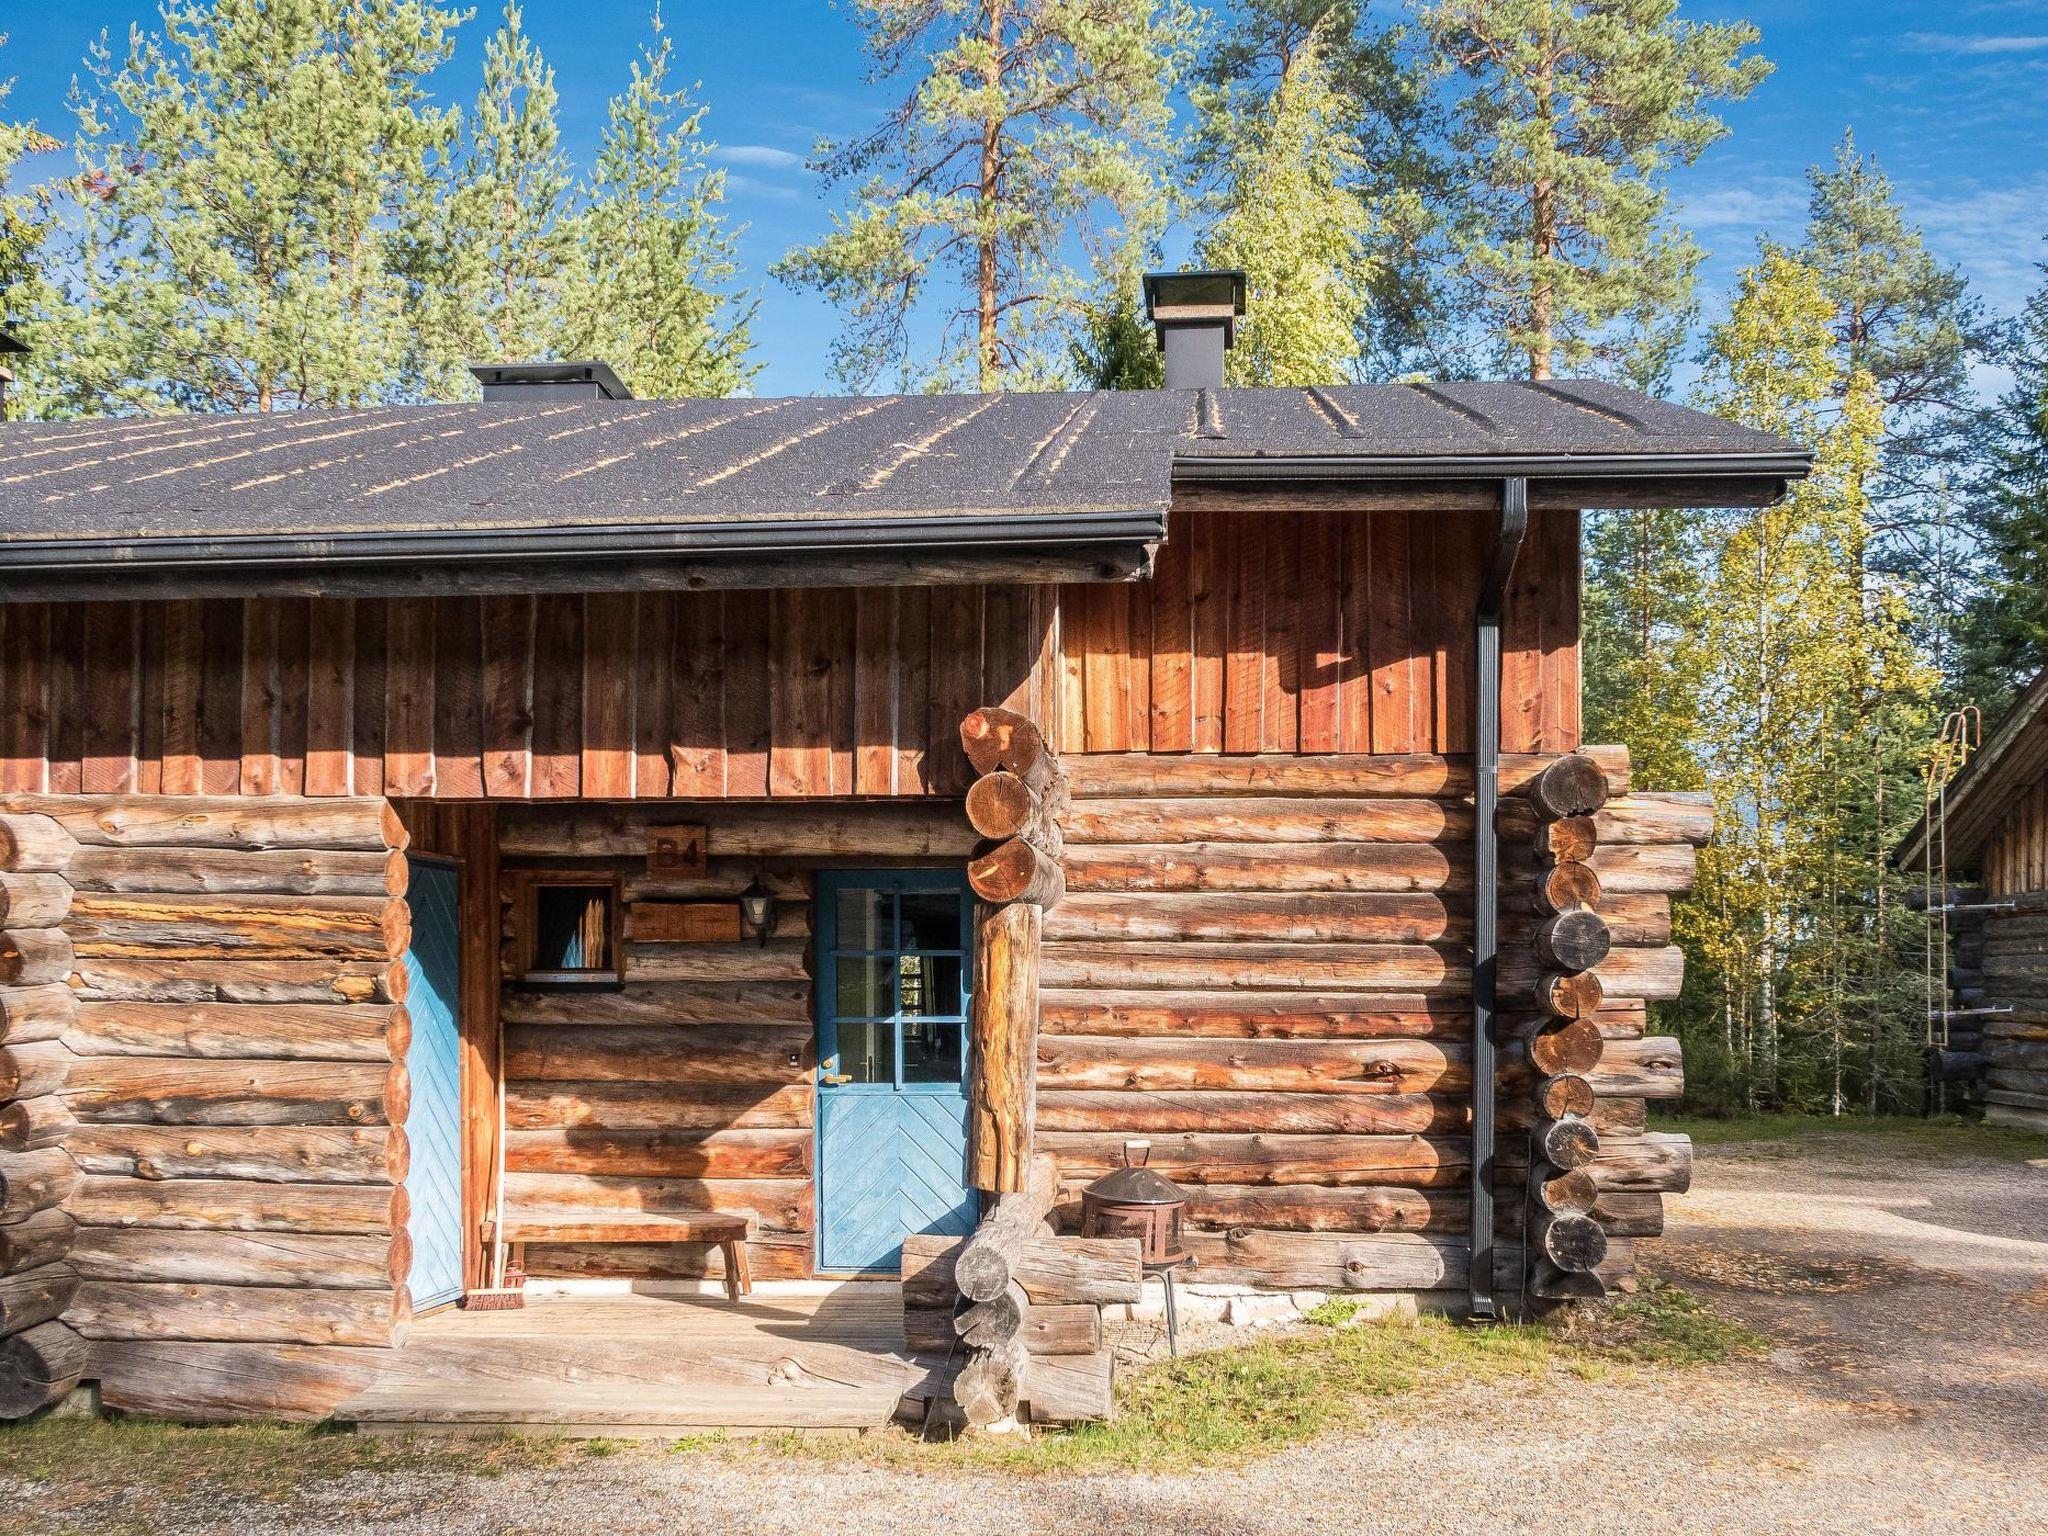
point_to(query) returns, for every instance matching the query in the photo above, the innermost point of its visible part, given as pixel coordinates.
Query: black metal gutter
(1514, 523)
(1784, 465)
(957, 534)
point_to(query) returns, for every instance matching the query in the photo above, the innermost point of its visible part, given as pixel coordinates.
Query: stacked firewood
(41, 1357)
(1015, 805)
(1018, 1310)
(1566, 1242)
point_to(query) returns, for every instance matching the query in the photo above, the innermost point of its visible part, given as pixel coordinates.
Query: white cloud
(752, 186)
(762, 156)
(1949, 42)
(1996, 233)
(1759, 205)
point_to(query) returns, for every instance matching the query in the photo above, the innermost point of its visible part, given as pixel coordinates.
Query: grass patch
(112, 1476)
(1663, 1325)
(1936, 1135)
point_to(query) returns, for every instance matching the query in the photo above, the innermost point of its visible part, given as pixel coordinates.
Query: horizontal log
(770, 1256)
(1272, 866)
(989, 1384)
(662, 1154)
(1569, 887)
(238, 926)
(1573, 941)
(1097, 1271)
(202, 1091)
(1566, 1094)
(1224, 1157)
(1548, 1282)
(1016, 871)
(133, 979)
(1109, 775)
(1388, 1261)
(27, 1124)
(39, 1367)
(1561, 1189)
(986, 1264)
(1283, 1066)
(929, 1330)
(1570, 994)
(797, 831)
(35, 1296)
(926, 1271)
(220, 872)
(1267, 967)
(1634, 818)
(1644, 868)
(1071, 1388)
(35, 1240)
(1328, 1208)
(33, 900)
(34, 844)
(227, 821)
(1002, 805)
(34, 956)
(29, 1014)
(1002, 740)
(655, 1107)
(780, 960)
(290, 1154)
(1367, 1114)
(1565, 1046)
(113, 1309)
(1571, 840)
(1571, 1242)
(196, 1382)
(159, 1256)
(1657, 1163)
(772, 1205)
(29, 1071)
(1648, 1068)
(1567, 1143)
(283, 1031)
(239, 1205)
(1574, 785)
(983, 1324)
(767, 1054)
(1267, 820)
(1073, 1328)
(680, 1002)
(35, 1181)
(1251, 1015)
(1295, 917)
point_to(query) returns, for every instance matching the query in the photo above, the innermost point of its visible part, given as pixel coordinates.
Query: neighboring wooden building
(361, 767)
(1982, 855)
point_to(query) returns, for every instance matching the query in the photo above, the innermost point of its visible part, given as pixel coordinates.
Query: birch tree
(24, 211)
(1029, 131)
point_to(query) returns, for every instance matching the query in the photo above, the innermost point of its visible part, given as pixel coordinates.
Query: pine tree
(247, 175)
(2005, 632)
(495, 276)
(1027, 123)
(1568, 117)
(1275, 143)
(653, 291)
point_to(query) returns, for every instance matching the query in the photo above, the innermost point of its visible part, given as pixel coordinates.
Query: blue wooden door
(894, 972)
(434, 1126)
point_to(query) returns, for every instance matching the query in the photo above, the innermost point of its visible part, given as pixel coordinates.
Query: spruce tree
(1285, 203)
(652, 294)
(248, 176)
(1026, 123)
(1568, 116)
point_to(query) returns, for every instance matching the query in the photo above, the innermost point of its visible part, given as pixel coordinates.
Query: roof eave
(2016, 747)
(1746, 478)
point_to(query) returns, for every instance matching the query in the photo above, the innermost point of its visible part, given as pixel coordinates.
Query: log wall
(221, 1037)
(1263, 966)
(1995, 1047)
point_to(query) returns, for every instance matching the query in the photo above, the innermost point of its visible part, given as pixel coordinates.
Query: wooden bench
(728, 1231)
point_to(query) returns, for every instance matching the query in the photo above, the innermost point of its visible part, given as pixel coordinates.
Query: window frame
(527, 886)
(898, 883)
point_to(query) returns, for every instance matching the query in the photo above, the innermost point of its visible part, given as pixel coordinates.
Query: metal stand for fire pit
(1164, 1269)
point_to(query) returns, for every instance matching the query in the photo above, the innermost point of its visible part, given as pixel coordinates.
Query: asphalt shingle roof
(556, 465)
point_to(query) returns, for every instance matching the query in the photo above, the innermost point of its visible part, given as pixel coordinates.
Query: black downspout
(1514, 522)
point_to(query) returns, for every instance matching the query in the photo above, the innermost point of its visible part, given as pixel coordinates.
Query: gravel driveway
(1906, 1299)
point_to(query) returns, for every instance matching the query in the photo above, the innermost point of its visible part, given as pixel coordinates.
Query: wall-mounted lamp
(757, 912)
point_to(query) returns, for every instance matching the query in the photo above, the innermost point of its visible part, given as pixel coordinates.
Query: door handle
(835, 1078)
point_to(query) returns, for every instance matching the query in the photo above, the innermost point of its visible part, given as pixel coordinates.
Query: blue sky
(1953, 98)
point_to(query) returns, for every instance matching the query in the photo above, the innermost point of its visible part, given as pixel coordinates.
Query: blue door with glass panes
(893, 975)
(433, 1127)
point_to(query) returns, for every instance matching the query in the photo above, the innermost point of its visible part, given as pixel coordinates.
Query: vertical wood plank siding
(1278, 631)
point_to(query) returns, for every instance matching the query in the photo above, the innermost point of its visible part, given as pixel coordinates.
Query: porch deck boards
(651, 1364)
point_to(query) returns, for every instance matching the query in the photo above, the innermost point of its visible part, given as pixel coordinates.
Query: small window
(568, 928)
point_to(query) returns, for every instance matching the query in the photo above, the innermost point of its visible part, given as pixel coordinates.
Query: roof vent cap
(532, 382)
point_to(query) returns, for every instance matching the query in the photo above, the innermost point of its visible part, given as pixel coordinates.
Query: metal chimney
(533, 383)
(1194, 315)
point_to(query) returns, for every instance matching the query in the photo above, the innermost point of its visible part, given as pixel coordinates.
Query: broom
(497, 1296)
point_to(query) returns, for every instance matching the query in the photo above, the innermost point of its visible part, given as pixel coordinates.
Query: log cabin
(1978, 862)
(804, 839)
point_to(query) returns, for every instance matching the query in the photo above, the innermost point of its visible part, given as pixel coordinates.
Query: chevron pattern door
(433, 1183)
(894, 972)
